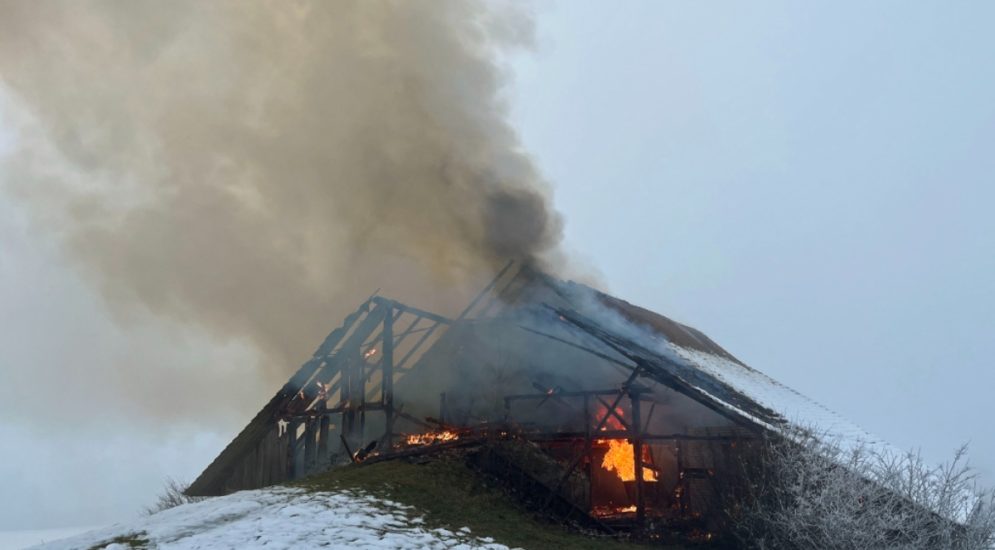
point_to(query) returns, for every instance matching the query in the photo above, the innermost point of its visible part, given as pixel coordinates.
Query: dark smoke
(256, 169)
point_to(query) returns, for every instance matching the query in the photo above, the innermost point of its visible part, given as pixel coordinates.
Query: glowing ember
(431, 437)
(604, 511)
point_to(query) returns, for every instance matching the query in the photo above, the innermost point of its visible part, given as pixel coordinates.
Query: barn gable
(533, 358)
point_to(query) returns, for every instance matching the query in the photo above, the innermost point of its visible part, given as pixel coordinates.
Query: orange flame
(621, 458)
(621, 455)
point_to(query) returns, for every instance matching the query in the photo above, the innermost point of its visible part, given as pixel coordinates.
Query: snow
(738, 388)
(282, 518)
(23, 538)
(799, 411)
(796, 410)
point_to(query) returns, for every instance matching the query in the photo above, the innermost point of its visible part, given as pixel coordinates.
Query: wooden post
(588, 444)
(323, 443)
(359, 390)
(387, 386)
(348, 419)
(310, 430)
(682, 502)
(637, 451)
(292, 426)
(355, 384)
(345, 362)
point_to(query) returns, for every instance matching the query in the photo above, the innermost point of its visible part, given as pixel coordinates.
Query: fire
(431, 437)
(612, 421)
(370, 353)
(607, 511)
(621, 457)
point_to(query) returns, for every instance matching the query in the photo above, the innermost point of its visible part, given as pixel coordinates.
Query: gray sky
(810, 186)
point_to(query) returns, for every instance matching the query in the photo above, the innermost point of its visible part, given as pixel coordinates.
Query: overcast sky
(810, 186)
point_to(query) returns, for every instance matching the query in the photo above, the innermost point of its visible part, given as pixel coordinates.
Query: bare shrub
(809, 494)
(172, 495)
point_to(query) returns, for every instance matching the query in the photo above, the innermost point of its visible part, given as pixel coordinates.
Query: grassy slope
(450, 495)
(134, 540)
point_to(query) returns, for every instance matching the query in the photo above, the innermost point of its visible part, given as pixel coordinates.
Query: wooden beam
(573, 465)
(292, 443)
(637, 459)
(578, 393)
(578, 346)
(482, 293)
(387, 364)
(324, 449)
(386, 302)
(338, 409)
(211, 480)
(418, 344)
(310, 447)
(625, 434)
(613, 412)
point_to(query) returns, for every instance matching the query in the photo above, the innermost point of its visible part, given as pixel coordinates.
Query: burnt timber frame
(273, 447)
(341, 365)
(640, 367)
(349, 374)
(633, 432)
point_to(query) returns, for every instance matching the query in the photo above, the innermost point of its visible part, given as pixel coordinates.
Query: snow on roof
(798, 411)
(684, 356)
(696, 360)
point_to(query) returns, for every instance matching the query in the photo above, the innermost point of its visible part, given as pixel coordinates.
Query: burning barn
(603, 409)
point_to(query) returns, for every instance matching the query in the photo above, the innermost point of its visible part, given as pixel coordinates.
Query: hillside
(396, 504)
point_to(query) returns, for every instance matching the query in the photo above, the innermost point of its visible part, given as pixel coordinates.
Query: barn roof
(676, 355)
(687, 360)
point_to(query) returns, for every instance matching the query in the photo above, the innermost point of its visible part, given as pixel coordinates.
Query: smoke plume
(256, 169)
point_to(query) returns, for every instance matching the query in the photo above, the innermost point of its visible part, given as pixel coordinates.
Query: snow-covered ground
(281, 518)
(23, 538)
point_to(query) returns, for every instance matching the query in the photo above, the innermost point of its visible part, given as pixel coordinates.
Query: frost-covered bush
(809, 494)
(172, 496)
